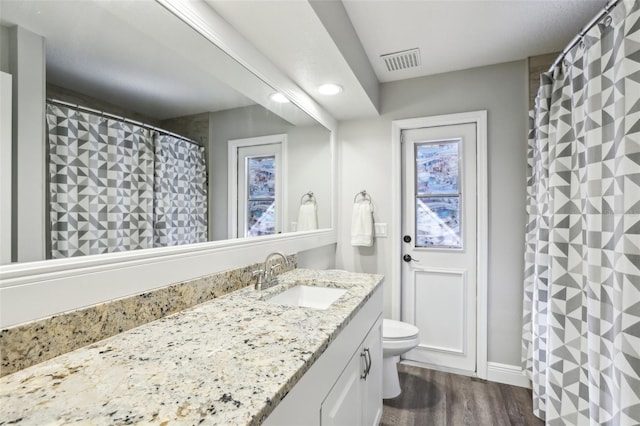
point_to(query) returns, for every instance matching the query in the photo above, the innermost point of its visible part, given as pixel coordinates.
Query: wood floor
(434, 398)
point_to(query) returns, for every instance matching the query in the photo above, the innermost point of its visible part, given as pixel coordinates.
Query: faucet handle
(260, 274)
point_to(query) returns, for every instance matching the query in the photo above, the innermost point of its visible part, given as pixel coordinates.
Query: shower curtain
(101, 184)
(581, 329)
(180, 192)
(115, 186)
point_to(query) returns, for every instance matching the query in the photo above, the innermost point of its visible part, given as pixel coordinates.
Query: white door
(439, 231)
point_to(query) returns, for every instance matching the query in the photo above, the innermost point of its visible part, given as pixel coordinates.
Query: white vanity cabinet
(372, 401)
(344, 385)
(359, 385)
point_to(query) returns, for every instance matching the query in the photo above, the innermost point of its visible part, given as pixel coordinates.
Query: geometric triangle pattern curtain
(101, 184)
(180, 192)
(581, 328)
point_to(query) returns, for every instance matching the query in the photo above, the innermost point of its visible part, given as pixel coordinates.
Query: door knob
(408, 258)
(407, 238)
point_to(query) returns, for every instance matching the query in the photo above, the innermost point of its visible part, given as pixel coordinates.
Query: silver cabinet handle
(366, 354)
(366, 364)
(369, 366)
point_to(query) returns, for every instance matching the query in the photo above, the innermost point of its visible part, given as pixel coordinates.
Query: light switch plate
(380, 229)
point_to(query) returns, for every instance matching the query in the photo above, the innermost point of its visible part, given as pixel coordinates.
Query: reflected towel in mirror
(307, 217)
(362, 225)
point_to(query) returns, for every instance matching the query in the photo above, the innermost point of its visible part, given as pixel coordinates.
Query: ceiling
(312, 41)
(315, 41)
(138, 56)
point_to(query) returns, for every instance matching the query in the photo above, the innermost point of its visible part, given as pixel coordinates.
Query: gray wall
(308, 151)
(309, 169)
(365, 163)
(104, 105)
(4, 49)
(237, 123)
(195, 127)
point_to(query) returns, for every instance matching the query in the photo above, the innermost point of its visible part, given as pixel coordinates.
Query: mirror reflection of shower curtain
(180, 192)
(102, 173)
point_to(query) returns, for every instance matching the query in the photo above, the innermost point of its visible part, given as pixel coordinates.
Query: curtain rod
(123, 119)
(605, 11)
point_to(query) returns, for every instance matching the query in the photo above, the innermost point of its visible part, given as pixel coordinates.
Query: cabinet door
(372, 398)
(343, 404)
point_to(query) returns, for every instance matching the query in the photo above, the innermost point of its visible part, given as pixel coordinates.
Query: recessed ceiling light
(330, 89)
(279, 97)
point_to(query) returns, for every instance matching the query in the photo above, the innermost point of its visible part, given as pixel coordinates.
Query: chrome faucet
(266, 277)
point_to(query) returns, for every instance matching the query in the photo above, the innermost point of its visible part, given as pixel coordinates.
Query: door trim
(479, 118)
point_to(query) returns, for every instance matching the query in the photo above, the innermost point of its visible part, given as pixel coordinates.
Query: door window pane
(437, 168)
(437, 200)
(438, 222)
(261, 218)
(261, 195)
(262, 177)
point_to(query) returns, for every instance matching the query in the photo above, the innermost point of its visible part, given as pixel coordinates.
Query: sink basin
(308, 296)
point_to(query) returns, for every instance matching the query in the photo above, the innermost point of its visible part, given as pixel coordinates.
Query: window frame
(237, 217)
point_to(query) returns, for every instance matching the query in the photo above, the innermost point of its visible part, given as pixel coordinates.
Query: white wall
(365, 163)
(5, 167)
(5, 148)
(27, 66)
(318, 258)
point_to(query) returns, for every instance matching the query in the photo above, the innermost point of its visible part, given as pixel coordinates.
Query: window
(261, 195)
(256, 186)
(438, 194)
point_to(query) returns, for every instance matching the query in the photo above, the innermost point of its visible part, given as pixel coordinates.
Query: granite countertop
(227, 361)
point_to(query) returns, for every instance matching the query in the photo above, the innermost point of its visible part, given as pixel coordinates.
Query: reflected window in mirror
(257, 184)
(261, 196)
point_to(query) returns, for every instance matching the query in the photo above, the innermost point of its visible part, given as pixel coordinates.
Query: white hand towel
(307, 217)
(362, 225)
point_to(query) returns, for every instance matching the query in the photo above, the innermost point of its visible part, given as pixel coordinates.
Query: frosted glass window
(261, 195)
(438, 196)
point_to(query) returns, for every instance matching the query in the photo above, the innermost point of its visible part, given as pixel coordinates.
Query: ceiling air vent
(402, 60)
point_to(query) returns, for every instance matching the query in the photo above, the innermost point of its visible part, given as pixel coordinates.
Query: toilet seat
(397, 330)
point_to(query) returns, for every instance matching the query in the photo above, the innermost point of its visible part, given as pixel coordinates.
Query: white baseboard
(438, 368)
(496, 372)
(508, 374)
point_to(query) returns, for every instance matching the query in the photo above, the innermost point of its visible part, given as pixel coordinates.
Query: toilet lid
(397, 330)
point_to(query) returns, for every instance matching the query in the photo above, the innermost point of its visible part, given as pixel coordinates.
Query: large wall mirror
(134, 130)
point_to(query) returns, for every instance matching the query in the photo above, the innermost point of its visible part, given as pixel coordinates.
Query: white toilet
(397, 338)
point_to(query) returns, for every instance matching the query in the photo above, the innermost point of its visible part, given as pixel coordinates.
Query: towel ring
(365, 196)
(310, 198)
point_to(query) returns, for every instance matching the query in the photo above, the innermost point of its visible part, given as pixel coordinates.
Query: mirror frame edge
(56, 286)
